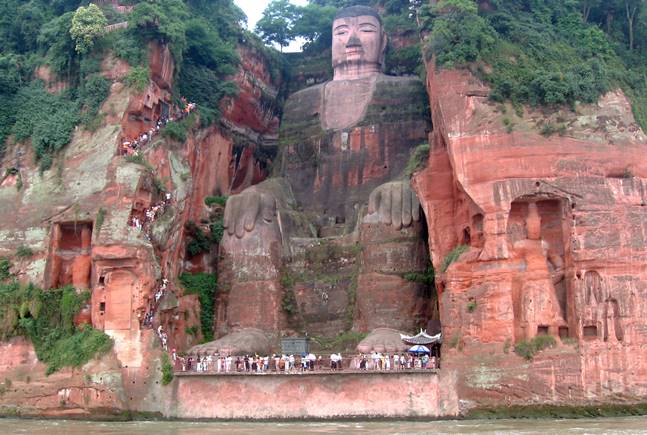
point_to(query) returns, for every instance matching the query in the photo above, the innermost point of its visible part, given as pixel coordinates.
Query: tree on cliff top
(459, 35)
(88, 24)
(277, 23)
(313, 24)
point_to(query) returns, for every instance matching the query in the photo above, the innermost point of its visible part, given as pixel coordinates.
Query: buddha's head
(358, 43)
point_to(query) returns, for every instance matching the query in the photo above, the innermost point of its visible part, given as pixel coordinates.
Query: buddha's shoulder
(308, 98)
(302, 109)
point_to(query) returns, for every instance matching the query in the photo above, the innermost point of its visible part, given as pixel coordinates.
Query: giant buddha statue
(324, 245)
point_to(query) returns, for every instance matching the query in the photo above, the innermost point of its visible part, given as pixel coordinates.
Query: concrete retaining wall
(275, 396)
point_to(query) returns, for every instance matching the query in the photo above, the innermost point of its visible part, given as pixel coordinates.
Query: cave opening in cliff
(476, 233)
(590, 331)
(429, 291)
(538, 231)
(69, 259)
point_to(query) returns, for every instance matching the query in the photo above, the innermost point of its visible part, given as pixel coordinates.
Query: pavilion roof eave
(422, 338)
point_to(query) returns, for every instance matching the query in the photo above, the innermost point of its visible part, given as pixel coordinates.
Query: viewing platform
(326, 372)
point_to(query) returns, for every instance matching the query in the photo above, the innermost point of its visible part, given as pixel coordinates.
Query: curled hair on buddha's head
(358, 11)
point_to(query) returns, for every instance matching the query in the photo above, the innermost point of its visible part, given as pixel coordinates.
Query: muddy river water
(617, 425)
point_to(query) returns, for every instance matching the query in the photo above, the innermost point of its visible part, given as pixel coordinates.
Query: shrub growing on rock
(47, 319)
(527, 349)
(167, 370)
(204, 285)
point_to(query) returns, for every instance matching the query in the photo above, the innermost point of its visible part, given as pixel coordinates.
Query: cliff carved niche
(538, 234)
(69, 261)
(116, 296)
(475, 232)
(600, 313)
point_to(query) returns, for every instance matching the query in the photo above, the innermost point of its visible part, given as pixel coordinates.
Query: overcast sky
(254, 11)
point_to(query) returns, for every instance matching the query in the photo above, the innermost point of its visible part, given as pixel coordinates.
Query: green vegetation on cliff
(49, 33)
(452, 256)
(47, 319)
(527, 349)
(204, 285)
(167, 369)
(538, 52)
(71, 40)
(545, 52)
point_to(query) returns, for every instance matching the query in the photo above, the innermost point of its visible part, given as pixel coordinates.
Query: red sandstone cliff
(555, 228)
(57, 216)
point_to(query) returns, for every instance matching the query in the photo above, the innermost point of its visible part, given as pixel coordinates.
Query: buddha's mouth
(354, 51)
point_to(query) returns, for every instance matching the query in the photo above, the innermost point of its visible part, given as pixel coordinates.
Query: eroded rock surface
(554, 228)
(78, 221)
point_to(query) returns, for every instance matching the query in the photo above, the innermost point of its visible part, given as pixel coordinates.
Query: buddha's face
(357, 46)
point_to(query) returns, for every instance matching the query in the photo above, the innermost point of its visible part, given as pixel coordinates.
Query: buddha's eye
(367, 28)
(341, 31)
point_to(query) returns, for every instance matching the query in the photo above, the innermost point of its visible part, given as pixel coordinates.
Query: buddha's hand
(395, 204)
(243, 211)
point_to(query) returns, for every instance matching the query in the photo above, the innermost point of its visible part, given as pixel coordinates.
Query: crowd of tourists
(132, 146)
(298, 364)
(145, 225)
(255, 363)
(163, 337)
(152, 305)
(151, 214)
(402, 361)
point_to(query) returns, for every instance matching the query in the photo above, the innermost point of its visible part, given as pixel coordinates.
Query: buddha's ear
(385, 41)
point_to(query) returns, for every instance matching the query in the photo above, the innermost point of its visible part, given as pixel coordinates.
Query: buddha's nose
(353, 41)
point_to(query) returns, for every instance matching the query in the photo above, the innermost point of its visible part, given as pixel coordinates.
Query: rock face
(547, 234)
(554, 227)
(78, 223)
